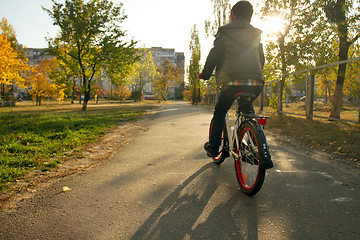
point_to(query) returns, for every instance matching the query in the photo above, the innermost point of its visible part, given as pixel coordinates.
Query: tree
(221, 16)
(326, 79)
(352, 83)
(40, 84)
(312, 26)
(142, 72)
(167, 75)
(90, 33)
(122, 93)
(288, 48)
(194, 67)
(9, 31)
(12, 60)
(345, 15)
(98, 92)
(67, 73)
(11, 66)
(187, 96)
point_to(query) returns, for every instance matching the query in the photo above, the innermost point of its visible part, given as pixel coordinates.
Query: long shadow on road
(193, 211)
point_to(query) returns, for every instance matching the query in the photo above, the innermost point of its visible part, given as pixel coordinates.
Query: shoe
(225, 154)
(211, 151)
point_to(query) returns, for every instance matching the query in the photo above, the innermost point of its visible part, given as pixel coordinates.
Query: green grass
(31, 138)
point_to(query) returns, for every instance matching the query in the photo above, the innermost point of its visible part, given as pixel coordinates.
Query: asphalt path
(162, 186)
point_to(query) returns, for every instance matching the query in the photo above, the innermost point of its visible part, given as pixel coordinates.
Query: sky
(154, 23)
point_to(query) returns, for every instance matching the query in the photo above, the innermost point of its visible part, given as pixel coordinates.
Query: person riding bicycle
(237, 55)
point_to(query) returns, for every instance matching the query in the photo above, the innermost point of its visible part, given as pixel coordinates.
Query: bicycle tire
(224, 153)
(249, 171)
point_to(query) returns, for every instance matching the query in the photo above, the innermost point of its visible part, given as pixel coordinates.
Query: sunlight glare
(272, 25)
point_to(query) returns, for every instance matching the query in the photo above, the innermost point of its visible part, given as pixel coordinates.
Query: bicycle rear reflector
(262, 121)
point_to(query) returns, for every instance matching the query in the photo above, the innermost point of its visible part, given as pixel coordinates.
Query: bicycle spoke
(251, 140)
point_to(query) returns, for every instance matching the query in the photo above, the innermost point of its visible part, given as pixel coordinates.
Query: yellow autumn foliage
(11, 66)
(40, 84)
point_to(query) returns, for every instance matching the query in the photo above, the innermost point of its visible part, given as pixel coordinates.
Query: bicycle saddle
(244, 94)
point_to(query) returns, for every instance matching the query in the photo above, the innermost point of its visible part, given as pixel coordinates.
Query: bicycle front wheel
(249, 173)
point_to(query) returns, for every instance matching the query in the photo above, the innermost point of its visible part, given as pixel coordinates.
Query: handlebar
(200, 75)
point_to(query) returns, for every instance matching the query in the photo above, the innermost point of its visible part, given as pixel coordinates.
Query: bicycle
(248, 146)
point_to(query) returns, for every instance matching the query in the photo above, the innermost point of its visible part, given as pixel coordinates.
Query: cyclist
(238, 58)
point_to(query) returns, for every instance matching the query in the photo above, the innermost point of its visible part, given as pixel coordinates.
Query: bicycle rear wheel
(224, 149)
(249, 173)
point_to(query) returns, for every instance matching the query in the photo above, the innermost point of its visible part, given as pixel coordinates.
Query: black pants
(223, 104)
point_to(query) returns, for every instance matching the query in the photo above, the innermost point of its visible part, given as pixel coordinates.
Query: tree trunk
(84, 105)
(280, 89)
(2, 92)
(141, 90)
(310, 88)
(283, 72)
(73, 94)
(343, 55)
(13, 102)
(325, 97)
(86, 97)
(38, 101)
(87, 91)
(199, 97)
(338, 99)
(359, 113)
(338, 94)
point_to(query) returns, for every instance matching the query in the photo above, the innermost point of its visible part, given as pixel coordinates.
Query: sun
(271, 25)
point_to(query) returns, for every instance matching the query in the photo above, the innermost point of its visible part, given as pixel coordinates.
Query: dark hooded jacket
(237, 53)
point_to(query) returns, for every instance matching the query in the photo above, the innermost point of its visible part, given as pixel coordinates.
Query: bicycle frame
(232, 126)
(232, 137)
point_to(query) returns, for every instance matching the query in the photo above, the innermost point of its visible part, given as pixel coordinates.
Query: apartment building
(161, 54)
(176, 58)
(36, 55)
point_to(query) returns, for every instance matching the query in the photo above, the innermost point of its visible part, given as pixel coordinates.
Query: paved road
(162, 186)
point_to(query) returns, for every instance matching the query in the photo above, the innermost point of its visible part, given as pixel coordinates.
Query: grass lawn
(31, 137)
(349, 112)
(341, 138)
(333, 137)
